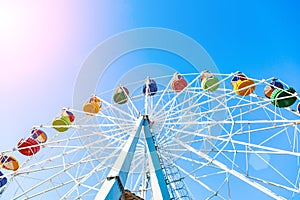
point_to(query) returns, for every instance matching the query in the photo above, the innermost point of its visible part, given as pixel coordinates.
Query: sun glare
(10, 20)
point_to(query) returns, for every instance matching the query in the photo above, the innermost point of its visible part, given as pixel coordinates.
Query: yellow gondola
(93, 106)
(242, 85)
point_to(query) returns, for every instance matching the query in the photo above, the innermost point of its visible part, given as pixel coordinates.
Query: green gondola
(121, 95)
(61, 124)
(283, 98)
(210, 84)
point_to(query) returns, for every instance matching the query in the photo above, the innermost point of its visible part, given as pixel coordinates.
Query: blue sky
(46, 43)
(260, 38)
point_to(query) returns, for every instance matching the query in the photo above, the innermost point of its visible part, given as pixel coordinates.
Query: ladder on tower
(174, 181)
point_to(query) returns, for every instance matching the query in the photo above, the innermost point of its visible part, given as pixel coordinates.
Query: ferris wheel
(179, 136)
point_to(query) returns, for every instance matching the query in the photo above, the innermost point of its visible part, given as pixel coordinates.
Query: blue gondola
(150, 87)
(3, 179)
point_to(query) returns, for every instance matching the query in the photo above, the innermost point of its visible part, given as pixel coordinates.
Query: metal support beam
(157, 178)
(113, 186)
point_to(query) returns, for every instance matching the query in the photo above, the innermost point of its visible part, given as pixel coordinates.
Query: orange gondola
(93, 106)
(242, 85)
(178, 82)
(9, 163)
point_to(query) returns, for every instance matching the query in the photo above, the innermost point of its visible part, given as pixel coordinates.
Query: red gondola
(28, 147)
(178, 82)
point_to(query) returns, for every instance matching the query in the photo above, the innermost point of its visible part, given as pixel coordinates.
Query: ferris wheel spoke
(181, 106)
(109, 113)
(279, 173)
(186, 158)
(133, 110)
(102, 135)
(294, 189)
(173, 99)
(115, 121)
(70, 152)
(217, 152)
(192, 109)
(245, 144)
(53, 167)
(178, 106)
(212, 191)
(177, 121)
(48, 160)
(80, 181)
(280, 124)
(284, 128)
(216, 109)
(233, 172)
(251, 111)
(161, 98)
(51, 187)
(86, 193)
(264, 104)
(119, 110)
(66, 168)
